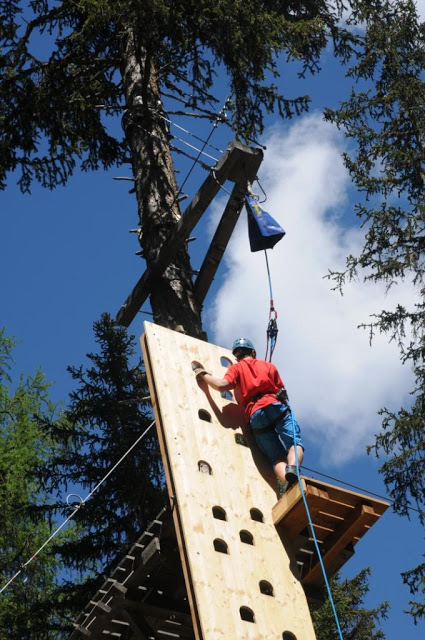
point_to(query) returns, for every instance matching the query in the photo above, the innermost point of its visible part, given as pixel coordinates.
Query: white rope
(77, 508)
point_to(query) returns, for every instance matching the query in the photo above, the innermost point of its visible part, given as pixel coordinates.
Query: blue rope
(310, 522)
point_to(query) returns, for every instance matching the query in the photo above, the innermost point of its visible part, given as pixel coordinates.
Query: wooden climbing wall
(242, 583)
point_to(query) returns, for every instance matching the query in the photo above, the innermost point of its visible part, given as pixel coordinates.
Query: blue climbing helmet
(242, 343)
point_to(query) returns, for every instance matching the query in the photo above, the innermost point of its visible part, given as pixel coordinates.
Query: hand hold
(198, 369)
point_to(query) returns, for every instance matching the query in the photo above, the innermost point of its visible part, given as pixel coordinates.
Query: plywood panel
(219, 584)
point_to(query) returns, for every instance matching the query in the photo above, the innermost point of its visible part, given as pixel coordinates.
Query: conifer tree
(385, 117)
(357, 622)
(107, 412)
(67, 65)
(25, 606)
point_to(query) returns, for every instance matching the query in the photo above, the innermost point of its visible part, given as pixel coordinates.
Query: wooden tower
(226, 559)
(243, 555)
(235, 562)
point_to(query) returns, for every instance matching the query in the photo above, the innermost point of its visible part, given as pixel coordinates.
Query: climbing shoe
(283, 487)
(291, 474)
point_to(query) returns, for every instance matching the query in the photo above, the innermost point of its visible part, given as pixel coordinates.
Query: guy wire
(186, 131)
(353, 486)
(77, 508)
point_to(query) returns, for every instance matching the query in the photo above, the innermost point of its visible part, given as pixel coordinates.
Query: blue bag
(263, 230)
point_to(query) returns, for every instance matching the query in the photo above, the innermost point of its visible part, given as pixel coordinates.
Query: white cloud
(337, 382)
(420, 4)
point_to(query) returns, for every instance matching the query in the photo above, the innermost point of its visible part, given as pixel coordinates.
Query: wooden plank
(340, 517)
(170, 485)
(222, 236)
(161, 621)
(149, 560)
(114, 627)
(225, 169)
(140, 629)
(248, 161)
(82, 630)
(341, 509)
(94, 624)
(331, 568)
(362, 517)
(116, 586)
(287, 502)
(336, 563)
(322, 532)
(219, 584)
(295, 519)
(97, 616)
(342, 496)
(159, 613)
(327, 522)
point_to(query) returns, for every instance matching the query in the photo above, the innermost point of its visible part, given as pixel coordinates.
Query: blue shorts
(276, 442)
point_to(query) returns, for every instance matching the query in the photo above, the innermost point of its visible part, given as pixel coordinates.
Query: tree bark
(172, 299)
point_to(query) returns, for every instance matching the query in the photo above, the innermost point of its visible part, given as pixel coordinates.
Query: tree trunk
(172, 300)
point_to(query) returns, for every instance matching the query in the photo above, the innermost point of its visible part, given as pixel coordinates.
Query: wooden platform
(340, 518)
(145, 596)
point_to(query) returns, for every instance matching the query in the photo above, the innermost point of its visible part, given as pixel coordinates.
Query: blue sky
(66, 256)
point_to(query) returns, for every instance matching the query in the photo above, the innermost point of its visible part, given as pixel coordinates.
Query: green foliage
(357, 622)
(61, 63)
(25, 607)
(107, 413)
(385, 117)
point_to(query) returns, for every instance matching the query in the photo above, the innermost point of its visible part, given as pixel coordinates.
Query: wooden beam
(141, 560)
(171, 489)
(226, 169)
(149, 561)
(348, 497)
(140, 628)
(161, 620)
(219, 242)
(247, 173)
(152, 611)
(287, 502)
(84, 632)
(290, 510)
(117, 586)
(114, 627)
(357, 524)
(101, 605)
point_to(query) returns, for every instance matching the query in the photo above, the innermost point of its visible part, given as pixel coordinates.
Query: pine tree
(107, 412)
(357, 622)
(25, 606)
(386, 119)
(68, 65)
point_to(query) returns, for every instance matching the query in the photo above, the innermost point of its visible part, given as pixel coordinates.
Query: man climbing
(260, 390)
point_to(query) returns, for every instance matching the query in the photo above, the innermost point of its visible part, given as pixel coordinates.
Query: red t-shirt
(251, 377)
